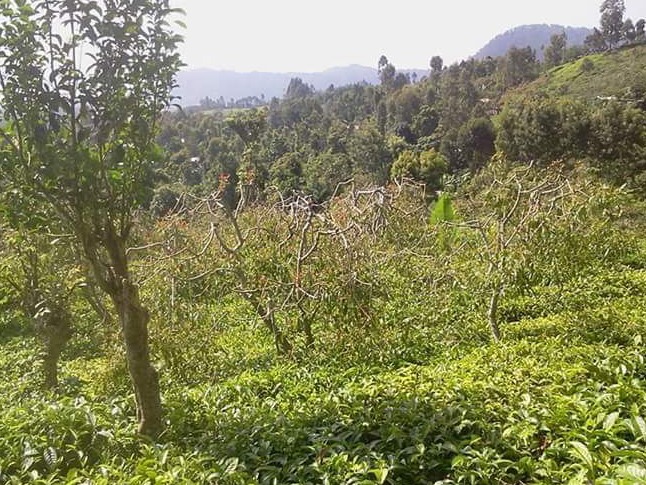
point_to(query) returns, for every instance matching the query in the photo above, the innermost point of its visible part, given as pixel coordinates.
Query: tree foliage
(318, 318)
(610, 134)
(612, 21)
(555, 52)
(84, 84)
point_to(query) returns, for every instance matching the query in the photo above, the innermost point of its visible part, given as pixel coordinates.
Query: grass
(596, 75)
(562, 399)
(417, 393)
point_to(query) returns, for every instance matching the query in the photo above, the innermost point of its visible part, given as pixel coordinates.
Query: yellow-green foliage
(592, 76)
(403, 384)
(427, 166)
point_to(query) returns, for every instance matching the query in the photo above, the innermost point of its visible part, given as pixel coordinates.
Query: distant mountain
(197, 84)
(537, 36)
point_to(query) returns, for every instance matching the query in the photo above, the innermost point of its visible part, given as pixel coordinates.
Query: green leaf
(50, 457)
(380, 474)
(442, 210)
(581, 451)
(639, 427)
(115, 175)
(633, 473)
(610, 421)
(231, 465)
(579, 479)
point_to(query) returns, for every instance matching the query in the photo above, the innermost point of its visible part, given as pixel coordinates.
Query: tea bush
(409, 388)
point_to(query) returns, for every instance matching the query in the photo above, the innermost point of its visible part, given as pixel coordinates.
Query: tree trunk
(50, 370)
(97, 305)
(305, 326)
(134, 318)
(55, 331)
(134, 324)
(54, 346)
(283, 345)
(492, 314)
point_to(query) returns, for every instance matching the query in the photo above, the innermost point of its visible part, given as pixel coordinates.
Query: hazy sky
(308, 36)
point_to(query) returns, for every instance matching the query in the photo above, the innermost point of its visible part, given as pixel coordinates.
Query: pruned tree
(83, 84)
(299, 263)
(504, 210)
(271, 251)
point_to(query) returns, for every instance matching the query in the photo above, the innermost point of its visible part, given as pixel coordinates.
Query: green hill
(414, 391)
(618, 73)
(591, 109)
(379, 284)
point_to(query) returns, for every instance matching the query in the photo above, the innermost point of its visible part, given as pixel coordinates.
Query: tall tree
(628, 30)
(640, 30)
(518, 66)
(387, 73)
(555, 52)
(436, 63)
(83, 84)
(612, 21)
(298, 89)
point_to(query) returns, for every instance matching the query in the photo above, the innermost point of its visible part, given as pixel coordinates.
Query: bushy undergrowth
(554, 402)
(414, 392)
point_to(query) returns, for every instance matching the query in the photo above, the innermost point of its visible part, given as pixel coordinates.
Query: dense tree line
(457, 115)
(310, 141)
(610, 134)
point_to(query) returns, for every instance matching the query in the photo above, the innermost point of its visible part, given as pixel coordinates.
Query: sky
(308, 36)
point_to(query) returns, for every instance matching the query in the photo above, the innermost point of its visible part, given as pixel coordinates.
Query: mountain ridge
(199, 83)
(196, 84)
(536, 36)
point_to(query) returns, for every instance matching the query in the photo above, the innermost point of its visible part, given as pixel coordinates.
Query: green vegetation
(436, 281)
(619, 74)
(310, 141)
(411, 389)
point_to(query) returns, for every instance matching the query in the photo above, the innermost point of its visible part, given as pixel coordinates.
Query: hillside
(590, 109)
(599, 75)
(403, 386)
(435, 282)
(537, 36)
